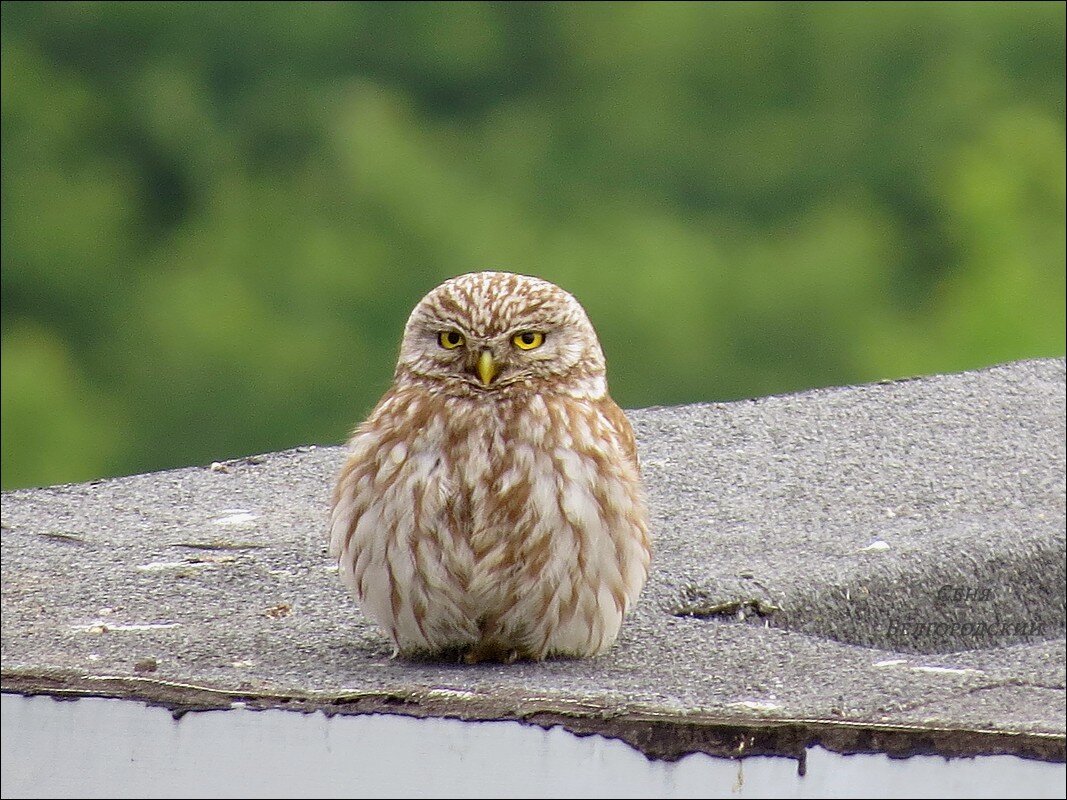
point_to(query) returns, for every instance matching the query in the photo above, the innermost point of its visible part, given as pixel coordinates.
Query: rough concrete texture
(876, 568)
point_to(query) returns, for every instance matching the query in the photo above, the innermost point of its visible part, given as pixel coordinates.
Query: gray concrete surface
(874, 569)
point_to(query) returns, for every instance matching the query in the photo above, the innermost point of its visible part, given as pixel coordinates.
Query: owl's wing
(623, 429)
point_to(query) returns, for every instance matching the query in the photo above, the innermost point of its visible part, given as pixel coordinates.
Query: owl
(491, 506)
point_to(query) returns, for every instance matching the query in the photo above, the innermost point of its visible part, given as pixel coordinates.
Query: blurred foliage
(216, 217)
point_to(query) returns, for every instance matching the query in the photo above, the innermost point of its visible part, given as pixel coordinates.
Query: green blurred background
(216, 217)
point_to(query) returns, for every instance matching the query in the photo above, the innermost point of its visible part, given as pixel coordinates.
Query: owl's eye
(450, 340)
(528, 340)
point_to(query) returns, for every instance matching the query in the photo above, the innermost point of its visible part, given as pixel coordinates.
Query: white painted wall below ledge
(112, 748)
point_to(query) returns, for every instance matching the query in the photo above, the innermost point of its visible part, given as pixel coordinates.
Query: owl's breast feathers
(520, 523)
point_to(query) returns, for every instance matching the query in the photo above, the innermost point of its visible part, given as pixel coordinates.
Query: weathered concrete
(877, 569)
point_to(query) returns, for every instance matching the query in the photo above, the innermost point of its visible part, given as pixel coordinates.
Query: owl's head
(497, 333)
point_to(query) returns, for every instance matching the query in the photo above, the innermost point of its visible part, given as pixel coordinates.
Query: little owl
(491, 505)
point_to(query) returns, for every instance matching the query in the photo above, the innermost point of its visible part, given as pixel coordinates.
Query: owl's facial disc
(494, 333)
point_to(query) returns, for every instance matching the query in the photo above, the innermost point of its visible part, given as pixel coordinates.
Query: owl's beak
(487, 368)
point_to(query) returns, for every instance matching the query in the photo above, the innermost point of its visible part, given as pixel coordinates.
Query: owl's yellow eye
(450, 340)
(528, 340)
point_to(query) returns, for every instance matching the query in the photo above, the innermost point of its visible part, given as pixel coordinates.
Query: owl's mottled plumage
(492, 504)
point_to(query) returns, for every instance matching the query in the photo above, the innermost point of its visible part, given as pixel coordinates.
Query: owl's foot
(490, 652)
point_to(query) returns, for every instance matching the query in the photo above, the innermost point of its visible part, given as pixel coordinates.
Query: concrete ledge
(873, 569)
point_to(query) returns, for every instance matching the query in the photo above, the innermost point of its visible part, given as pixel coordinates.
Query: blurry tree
(216, 216)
